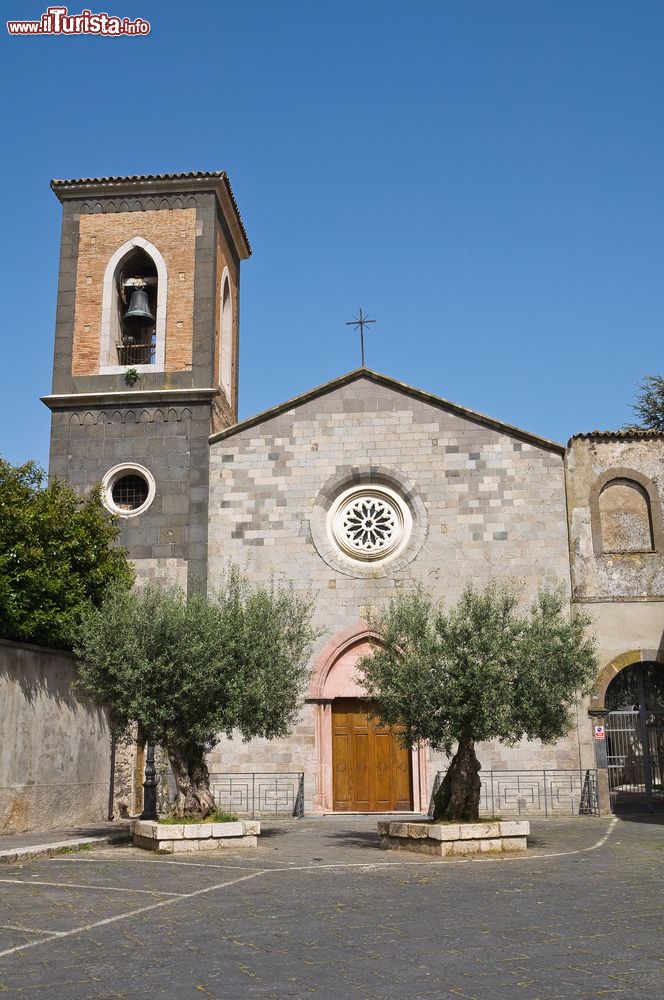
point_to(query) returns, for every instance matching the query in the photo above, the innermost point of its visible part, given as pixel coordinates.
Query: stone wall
(597, 465)
(168, 540)
(294, 754)
(623, 591)
(487, 502)
(615, 487)
(55, 745)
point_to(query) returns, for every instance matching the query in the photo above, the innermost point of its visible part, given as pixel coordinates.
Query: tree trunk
(458, 798)
(192, 780)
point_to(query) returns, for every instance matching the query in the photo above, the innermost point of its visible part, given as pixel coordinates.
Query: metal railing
(260, 793)
(536, 792)
(136, 354)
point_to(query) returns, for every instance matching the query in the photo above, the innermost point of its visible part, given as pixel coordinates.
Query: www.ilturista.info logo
(58, 21)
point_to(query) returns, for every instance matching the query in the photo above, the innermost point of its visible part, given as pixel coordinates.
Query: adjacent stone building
(352, 490)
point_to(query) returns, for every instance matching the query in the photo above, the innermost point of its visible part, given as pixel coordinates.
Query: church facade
(351, 491)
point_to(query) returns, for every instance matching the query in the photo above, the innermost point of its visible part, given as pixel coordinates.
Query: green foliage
(218, 816)
(57, 556)
(486, 669)
(189, 668)
(649, 405)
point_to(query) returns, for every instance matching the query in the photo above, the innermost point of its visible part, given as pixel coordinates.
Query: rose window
(369, 523)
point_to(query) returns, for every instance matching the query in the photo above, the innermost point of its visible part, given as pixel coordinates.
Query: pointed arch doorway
(360, 764)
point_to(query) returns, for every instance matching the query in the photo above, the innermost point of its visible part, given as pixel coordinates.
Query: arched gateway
(631, 691)
(361, 767)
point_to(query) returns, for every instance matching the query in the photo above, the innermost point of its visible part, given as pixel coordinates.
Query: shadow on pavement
(273, 832)
(354, 838)
(650, 819)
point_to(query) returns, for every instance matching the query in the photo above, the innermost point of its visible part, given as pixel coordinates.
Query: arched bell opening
(136, 303)
(133, 311)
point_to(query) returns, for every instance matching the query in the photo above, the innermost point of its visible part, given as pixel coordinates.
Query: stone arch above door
(334, 672)
(627, 659)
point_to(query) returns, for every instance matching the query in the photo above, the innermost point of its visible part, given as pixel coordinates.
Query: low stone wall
(441, 839)
(178, 837)
(55, 755)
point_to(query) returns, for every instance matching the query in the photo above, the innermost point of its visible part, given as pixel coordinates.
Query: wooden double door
(371, 770)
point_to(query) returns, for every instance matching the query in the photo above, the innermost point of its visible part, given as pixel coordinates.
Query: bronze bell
(138, 312)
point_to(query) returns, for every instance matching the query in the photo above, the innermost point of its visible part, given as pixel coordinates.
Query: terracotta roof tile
(139, 177)
(617, 435)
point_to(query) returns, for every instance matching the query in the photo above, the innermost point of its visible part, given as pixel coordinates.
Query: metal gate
(635, 759)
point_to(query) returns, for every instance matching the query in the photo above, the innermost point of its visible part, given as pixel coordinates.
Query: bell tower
(146, 354)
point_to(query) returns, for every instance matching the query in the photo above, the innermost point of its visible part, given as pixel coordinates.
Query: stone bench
(441, 839)
(178, 837)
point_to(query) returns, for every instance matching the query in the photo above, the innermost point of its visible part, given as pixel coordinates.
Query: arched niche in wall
(625, 514)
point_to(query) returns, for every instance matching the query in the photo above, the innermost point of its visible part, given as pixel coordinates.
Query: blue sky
(484, 177)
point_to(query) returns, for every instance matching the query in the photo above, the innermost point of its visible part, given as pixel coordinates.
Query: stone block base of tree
(442, 839)
(176, 838)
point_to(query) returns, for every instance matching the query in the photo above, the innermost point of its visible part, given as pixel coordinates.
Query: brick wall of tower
(174, 235)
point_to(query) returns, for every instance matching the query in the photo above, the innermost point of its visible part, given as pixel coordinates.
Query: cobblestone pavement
(319, 911)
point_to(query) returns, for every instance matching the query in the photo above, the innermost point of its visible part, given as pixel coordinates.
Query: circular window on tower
(128, 490)
(369, 523)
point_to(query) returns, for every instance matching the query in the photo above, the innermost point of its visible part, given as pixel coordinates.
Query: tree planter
(441, 839)
(178, 837)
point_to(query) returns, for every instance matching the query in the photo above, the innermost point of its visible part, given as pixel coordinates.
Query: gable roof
(402, 387)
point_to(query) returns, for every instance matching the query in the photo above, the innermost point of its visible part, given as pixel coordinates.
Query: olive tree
(190, 668)
(487, 669)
